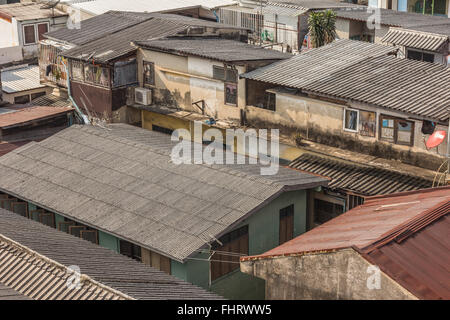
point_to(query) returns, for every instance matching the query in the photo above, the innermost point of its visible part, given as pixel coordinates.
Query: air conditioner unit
(143, 96)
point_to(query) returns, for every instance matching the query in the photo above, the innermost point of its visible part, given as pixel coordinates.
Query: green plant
(322, 27)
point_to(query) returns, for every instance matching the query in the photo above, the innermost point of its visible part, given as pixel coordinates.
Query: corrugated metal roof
(119, 44)
(122, 181)
(101, 6)
(365, 73)
(7, 293)
(111, 269)
(365, 225)
(358, 178)
(315, 4)
(217, 49)
(420, 263)
(51, 100)
(29, 11)
(38, 278)
(98, 26)
(393, 18)
(26, 115)
(20, 78)
(415, 39)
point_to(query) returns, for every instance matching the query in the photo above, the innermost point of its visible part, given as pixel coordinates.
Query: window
(225, 74)
(397, 130)
(37, 95)
(125, 73)
(22, 99)
(367, 123)
(351, 120)
(149, 73)
(231, 94)
(42, 28)
(77, 70)
(270, 101)
(325, 211)
(96, 75)
(130, 250)
(223, 262)
(420, 56)
(29, 34)
(286, 224)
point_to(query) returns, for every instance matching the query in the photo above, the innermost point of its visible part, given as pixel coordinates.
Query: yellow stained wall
(189, 80)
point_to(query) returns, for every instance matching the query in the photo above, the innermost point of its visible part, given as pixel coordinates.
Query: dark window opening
(130, 250)
(325, 211)
(286, 224)
(226, 258)
(161, 129)
(420, 56)
(22, 99)
(37, 95)
(149, 73)
(29, 34)
(42, 28)
(270, 101)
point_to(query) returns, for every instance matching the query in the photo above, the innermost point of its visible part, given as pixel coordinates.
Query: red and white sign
(436, 139)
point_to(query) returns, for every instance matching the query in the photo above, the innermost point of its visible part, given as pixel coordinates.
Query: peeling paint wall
(181, 81)
(333, 276)
(323, 122)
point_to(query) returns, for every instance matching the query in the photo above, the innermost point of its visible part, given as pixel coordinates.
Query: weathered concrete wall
(323, 122)
(10, 97)
(10, 54)
(333, 276)
(181, 81)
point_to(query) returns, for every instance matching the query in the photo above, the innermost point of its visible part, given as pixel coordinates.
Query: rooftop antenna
(51, 4)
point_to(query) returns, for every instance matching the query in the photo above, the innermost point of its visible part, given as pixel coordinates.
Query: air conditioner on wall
(143, 96)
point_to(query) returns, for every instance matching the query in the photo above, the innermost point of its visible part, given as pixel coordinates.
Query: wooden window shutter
(64, 226)
(20, 208)
(89, 235)
(36, 215)
(47, 218)
(76, 230)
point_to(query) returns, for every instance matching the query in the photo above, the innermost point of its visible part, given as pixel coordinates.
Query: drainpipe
(215, 14)
(82, 115)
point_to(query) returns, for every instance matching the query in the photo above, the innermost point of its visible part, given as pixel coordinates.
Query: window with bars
(226, 258)
(149, 73)
(130, 250)
(231, 94)
(77, 68)
(225, 74)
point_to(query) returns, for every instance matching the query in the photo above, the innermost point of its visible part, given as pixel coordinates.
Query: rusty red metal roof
(366, 224)
(26, 115)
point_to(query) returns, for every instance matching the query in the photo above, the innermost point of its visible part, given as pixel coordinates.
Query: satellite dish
(50, 4)
(436, 139)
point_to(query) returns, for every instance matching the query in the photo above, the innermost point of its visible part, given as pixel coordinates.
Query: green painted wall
(108, 241)
(58, 218)
(263, 236)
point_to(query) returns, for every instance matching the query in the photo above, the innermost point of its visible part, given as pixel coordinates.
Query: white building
(22, 26)
(432, 7)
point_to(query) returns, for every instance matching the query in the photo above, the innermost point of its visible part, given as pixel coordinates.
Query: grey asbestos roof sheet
(359, 178)
(7, 293)
(22, 78)
(97, 27)
(217, 49)
(59, 250)
(416, 39)
(122, 181)
(366, 73)
(119, 44)
(393, 18)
